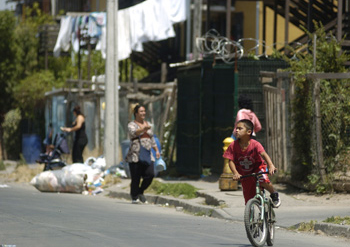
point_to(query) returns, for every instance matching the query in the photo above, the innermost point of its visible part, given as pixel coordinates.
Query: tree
(7, 66)
(7, 61)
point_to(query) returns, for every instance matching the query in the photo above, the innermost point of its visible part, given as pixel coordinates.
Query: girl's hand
(157, 155)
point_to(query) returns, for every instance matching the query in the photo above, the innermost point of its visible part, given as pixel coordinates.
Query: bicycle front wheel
(255, 224)
(271, 219)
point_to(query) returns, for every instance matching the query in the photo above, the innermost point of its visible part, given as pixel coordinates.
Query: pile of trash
(86, 178)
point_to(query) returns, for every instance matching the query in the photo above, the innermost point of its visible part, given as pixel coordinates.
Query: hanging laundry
(124, 44)
(102, 43)
(137, 30)
(151, 20)
(63, 39)
(157, 25)
(176, 10)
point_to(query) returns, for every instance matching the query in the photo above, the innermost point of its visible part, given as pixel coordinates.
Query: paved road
(32, 218)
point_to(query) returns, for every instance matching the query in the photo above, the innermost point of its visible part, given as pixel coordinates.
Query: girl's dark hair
(77, 110)
(136, 109)
(245, 102)
(248, 124)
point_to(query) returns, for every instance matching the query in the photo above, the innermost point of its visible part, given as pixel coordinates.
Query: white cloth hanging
(63, 39)
(157, 25)
(124, 44)
(176, 10)
(151, 20)
(137, 31)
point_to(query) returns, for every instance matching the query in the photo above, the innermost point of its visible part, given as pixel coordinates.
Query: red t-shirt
(247, 162)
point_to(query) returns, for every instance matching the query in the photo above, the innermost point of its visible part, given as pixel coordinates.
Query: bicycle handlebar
(253, 174)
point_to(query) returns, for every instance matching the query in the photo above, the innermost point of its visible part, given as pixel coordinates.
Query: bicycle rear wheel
(255, 226)
(271, 219)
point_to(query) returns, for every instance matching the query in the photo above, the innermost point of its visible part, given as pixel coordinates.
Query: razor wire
(212, 43)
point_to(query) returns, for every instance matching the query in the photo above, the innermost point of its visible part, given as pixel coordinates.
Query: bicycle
(259, 216)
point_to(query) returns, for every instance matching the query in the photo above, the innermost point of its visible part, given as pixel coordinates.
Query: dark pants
(138, 171)
(78, 148)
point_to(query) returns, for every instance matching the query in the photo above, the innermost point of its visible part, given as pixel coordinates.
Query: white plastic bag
(100, 163)
(58, 181)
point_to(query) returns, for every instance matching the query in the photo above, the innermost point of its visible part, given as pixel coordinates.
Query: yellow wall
(293, 33)
(102, 5)
(249, 21)
(249, 29)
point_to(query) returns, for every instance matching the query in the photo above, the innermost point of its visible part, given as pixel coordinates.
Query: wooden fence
(276, 118)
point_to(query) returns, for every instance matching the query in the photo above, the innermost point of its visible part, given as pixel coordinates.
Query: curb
(333, 229)
(177, 203)
(213, 211)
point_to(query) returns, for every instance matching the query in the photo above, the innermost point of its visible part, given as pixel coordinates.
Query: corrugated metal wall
(206, 110)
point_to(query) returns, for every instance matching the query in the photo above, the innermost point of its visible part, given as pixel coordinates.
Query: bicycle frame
(260, 195)
(259, 227)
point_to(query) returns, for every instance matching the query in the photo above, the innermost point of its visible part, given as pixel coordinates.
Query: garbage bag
(58, 181)
(77, 168)
(100, 163)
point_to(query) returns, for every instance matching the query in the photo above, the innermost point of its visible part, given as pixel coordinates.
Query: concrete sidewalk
(297, 206)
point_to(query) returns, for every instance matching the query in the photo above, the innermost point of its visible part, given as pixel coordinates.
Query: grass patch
(23, 173)
(304, 227)
(22, 161)
(338, 220)
(176, 190)
(111, 180)
(2, 165)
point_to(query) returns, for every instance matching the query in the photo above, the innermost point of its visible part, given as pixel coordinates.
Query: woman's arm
(140, 131)
(80, 120)
(157, 151)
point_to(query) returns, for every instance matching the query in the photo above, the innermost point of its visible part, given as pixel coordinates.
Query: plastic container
(31, 147)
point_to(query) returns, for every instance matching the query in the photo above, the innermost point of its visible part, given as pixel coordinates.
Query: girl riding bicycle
(247, 156)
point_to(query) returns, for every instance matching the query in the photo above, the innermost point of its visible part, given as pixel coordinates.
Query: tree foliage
(12, 133)
(7, 60)
(329, 59)
(29, 93)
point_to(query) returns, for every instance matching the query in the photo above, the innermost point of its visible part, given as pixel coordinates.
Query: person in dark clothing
(80, 139)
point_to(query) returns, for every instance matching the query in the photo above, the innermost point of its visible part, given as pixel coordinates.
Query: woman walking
(141, 134)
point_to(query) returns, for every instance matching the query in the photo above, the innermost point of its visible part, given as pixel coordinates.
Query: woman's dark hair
(245, 102)
(77, 110)
(136, 109)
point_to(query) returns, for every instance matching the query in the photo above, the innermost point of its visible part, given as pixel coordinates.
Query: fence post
(319, 146)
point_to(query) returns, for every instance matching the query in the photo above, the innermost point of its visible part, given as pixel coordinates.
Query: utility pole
(197, 27)
(111, 135)
(228, 19)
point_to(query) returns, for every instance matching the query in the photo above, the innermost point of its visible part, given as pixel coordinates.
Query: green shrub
(333, 96)
(2, 165)
(11, 127)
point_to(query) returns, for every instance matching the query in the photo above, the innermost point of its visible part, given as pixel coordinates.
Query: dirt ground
(326, 199)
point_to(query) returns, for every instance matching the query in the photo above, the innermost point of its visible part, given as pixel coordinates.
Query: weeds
(177, 189)
(304, 226)
(338, 220)
(2, 165)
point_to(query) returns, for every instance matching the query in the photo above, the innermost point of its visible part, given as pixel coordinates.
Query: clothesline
(151, 20)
